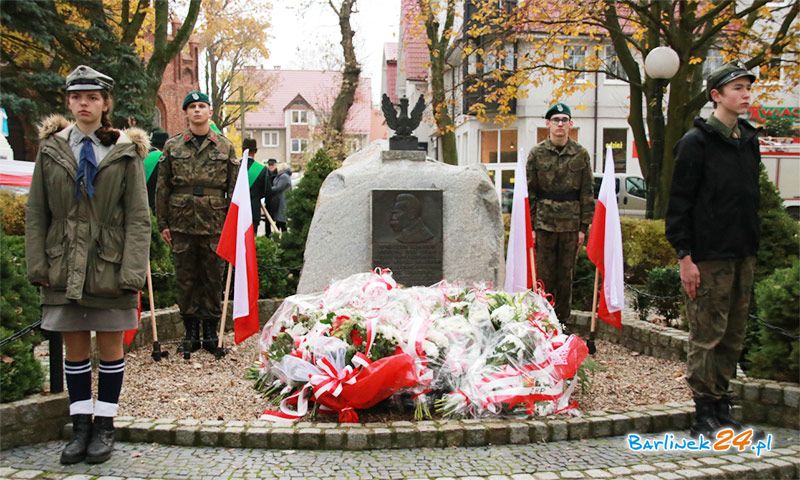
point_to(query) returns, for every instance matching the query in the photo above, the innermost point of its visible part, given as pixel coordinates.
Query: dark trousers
(717, 323)
(555, 267)
(198, 271)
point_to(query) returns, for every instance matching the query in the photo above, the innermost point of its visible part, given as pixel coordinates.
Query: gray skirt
(77, 318)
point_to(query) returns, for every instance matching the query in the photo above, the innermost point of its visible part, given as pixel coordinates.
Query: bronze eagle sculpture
(403, 124)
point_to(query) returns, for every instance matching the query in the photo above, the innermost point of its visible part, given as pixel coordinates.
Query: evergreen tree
(780, 233)
(301, 202)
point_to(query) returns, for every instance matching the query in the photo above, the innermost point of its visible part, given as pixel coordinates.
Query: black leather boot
(705, 420)
(723, 412)
(75, 451)
(210, 335)
(102, 444)
(191, 338)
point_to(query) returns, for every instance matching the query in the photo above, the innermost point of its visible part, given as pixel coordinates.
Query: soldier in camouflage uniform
(196, 176)
(712, 222)
(562, 205)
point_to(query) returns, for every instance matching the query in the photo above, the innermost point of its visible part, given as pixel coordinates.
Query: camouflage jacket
(567, 175)
(209, 171)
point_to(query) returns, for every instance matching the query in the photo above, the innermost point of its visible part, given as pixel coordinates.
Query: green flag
(252, 173)
(150, 162)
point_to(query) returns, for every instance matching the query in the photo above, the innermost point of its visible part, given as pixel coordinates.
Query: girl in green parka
(87, 240)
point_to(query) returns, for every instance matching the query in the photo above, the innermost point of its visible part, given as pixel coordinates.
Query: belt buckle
(197, 191)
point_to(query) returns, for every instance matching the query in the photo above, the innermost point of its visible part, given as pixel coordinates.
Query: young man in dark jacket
(260, 187)
(713, 224)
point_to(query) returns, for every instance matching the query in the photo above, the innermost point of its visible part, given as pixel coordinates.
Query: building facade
(297, 103)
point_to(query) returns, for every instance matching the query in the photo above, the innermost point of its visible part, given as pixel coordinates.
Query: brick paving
(606, 457)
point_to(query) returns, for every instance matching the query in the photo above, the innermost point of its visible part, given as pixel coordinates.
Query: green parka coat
(90, 251)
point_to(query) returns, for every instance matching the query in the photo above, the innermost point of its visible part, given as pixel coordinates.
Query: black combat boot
(210, 336)
(723, 413)
(705, 420)
(102, 444)
(75, 451)
(191, 339)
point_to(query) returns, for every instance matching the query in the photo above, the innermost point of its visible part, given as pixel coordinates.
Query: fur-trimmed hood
(55, 124)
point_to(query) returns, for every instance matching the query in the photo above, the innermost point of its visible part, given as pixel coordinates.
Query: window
(353, 145)
(498, 146)
(299, 117)
(613, 66)
(617, 139)
(713, 61)
(575, 59)
(299, 145)
(636, 186)
(269, 139)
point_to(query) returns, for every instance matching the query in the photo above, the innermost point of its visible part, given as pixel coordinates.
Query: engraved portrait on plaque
(407, 234)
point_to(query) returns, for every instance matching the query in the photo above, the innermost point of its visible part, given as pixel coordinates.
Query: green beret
(195, 96)
(726, 74)
(558, 108)
(85, 78)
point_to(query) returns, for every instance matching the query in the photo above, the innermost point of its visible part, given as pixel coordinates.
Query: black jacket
(713, 204)
(258, 190)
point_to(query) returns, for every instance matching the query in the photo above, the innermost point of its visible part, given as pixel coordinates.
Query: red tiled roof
(319, 88)
(413, 48)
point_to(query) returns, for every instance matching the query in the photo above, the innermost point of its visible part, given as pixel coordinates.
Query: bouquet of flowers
(475, 351)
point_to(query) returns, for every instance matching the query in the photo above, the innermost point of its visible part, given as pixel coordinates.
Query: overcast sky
(307, 38)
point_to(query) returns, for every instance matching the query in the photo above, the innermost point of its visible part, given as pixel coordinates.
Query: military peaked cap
(85, 78)
(726, 74)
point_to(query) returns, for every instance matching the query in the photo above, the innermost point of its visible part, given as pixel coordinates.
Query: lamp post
(661, 64)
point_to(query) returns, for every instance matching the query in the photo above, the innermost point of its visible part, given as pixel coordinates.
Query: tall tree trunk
(444, 123)
(334, 134)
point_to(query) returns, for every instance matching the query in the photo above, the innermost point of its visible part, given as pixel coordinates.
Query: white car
(631, 198)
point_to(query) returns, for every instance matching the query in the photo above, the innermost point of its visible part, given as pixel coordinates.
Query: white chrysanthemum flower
(504, 314)
(431, 350)
(297, 330)
(438, 338)
(478, 313)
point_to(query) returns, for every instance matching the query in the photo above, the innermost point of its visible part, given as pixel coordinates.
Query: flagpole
(270, 220)
(533, 269)
(590, 344)
(224, 311)
(157, 353)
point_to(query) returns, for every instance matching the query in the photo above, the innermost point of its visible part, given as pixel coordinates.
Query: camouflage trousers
(198, 271)
(717, 320)
(555, 266)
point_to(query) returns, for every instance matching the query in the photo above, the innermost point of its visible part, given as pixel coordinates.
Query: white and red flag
(604, 248)
(237, 245)
(520, 239)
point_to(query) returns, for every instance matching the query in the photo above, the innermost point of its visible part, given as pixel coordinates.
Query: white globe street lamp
(661, 64)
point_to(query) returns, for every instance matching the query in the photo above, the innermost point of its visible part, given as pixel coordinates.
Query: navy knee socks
(79, 386)
(109, 384)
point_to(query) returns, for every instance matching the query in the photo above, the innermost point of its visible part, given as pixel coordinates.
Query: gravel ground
(206, 388)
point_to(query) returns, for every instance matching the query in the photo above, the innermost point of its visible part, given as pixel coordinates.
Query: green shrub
(780, 233)
(271, 274)
(20, 372)
(663, 294)
(776, 351)
(645, 247)
(12, 213)
(583, 282)
(165, 289)
(300, 204)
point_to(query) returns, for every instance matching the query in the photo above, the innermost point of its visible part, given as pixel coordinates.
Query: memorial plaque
(407, 234)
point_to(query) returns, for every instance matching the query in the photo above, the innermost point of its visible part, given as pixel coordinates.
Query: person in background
(87, 238)
(712, 222)
(157, 140)
(281, 183)
(260, 187)
(560, 188)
